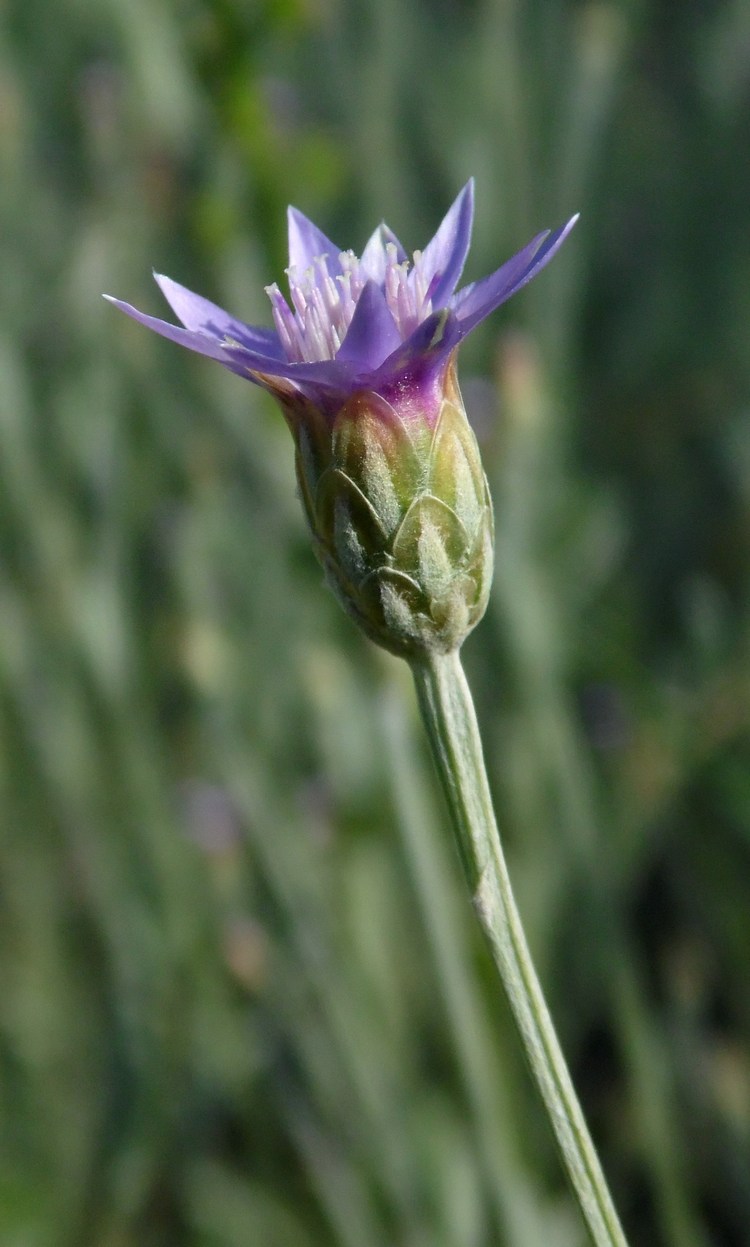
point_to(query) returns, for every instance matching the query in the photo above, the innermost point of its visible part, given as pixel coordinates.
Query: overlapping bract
(401, 518)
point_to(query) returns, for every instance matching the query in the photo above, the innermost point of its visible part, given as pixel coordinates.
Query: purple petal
(372, 333)
(202, 316)
(307, 243)
(239, 359)
(425, 349)
(374, 259)
(412, 377)
(327, 372)
(475, 302)
(444, 256)
(200, 342)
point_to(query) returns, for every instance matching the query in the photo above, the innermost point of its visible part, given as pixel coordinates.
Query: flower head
(379, 322)
(362, 360)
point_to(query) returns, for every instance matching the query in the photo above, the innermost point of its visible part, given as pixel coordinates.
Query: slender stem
(448, 712)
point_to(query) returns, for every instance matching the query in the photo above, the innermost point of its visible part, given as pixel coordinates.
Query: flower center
(322, 306)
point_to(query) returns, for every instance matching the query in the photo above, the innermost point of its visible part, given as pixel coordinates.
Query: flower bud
(401, 516)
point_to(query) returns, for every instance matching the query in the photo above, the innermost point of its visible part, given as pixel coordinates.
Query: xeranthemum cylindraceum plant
(363, 363)
(362, 360)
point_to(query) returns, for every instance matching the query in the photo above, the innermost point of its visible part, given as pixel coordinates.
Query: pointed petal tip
(167, 284)
(190, 308)
(307, 243)
(122, 305)
(552, 240)
(475, 302)
(465, 200)
(445, 254)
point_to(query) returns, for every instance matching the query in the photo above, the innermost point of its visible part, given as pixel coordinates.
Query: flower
(362, 360)
(378, 322)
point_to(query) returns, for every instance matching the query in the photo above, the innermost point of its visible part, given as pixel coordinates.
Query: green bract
(401, 517)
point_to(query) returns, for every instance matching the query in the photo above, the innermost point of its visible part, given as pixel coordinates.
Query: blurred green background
(242, 998)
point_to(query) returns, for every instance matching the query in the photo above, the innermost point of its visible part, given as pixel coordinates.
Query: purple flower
(379, 323)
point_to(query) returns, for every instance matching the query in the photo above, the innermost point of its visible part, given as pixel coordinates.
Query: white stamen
(312, 326)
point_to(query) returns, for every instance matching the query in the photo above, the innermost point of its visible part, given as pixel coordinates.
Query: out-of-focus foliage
(242, 999)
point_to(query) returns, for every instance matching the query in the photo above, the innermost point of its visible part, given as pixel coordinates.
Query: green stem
(448, 712)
